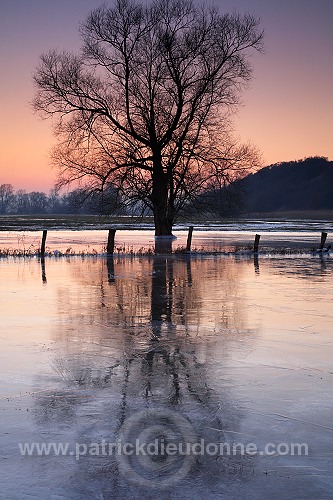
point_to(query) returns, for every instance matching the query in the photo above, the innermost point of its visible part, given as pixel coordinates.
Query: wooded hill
(289, 186)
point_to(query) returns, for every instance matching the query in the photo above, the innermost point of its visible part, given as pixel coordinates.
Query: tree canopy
(146, 105)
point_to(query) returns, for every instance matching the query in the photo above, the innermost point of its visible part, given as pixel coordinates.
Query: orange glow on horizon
(286, 112)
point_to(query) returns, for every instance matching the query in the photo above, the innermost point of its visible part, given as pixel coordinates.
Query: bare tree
(22, 202)
(38, 202)
(146, 104)
(6, 197)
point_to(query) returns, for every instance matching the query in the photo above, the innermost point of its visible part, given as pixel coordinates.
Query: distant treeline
(78, 201)
(296, 185)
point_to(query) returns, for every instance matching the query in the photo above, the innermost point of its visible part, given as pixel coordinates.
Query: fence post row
(112, 234)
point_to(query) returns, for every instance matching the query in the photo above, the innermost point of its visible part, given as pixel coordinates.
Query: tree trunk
(163, 226)
(163, 211)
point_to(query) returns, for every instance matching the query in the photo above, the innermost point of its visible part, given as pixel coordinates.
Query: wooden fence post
(256, 243)
(110, 245)
(189, 239)
(323, 240)
(42, 248)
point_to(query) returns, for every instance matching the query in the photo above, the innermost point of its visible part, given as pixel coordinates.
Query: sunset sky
(287, 111)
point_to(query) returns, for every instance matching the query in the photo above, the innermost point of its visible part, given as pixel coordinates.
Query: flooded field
(166, 377)
(88, 234)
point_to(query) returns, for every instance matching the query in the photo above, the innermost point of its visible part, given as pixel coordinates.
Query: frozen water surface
(166, 350)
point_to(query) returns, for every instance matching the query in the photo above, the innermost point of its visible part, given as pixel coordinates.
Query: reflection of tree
(161, 294)
(158, 310)
(307, 267)
(56, 407)
(152, 293)
(147, 336)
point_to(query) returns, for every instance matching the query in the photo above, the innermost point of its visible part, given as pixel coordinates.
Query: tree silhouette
(6, 196)
(146, 104)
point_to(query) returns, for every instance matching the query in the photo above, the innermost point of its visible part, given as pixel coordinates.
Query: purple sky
(287, 112)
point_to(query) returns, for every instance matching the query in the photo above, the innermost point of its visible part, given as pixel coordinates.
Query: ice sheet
(240, 349)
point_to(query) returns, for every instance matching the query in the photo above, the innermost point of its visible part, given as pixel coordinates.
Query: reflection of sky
(287, 108)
